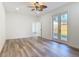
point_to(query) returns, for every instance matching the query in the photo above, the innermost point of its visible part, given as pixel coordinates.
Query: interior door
(36, 29)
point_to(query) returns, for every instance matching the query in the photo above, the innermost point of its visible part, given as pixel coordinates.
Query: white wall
(19, 25)
(2, 26)
(46, 26)
(73, 26)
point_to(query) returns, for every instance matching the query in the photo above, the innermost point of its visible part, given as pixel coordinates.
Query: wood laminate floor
(36, 48)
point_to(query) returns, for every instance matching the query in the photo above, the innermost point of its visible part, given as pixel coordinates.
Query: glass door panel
(55, 27)
(63, 28)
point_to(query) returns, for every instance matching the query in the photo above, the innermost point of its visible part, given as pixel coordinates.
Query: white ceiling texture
(22, 7)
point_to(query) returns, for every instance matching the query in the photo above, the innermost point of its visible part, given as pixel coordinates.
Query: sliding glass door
(60, 27)
(63, 33)
(55, 27)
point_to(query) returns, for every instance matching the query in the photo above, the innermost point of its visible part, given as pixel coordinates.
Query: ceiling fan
(38, 6)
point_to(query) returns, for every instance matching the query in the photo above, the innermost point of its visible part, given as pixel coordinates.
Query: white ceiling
(11, 6)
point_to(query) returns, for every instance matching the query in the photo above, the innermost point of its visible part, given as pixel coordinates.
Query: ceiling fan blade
(30, 6)
(33, 9)
(43, 6)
